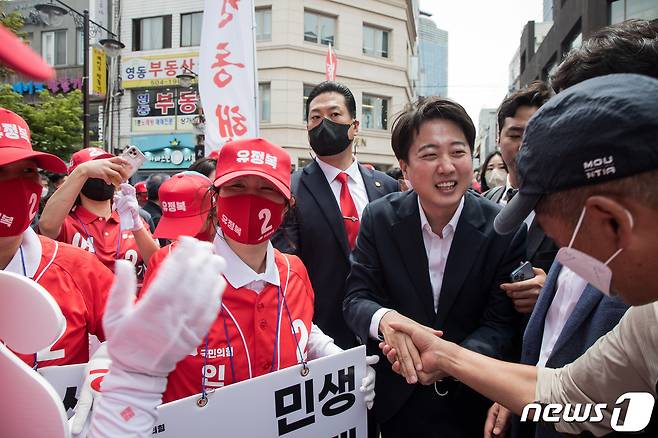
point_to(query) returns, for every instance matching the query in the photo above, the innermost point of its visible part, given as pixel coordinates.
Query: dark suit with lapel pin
(594, 315)
(316, 234)
(390, 269)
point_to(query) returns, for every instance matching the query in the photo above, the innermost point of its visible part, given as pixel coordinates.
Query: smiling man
(431, 256)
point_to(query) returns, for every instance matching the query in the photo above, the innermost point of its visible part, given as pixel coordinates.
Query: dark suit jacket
(316, 233)
(154, 210)
(390, 269)
(594, 316)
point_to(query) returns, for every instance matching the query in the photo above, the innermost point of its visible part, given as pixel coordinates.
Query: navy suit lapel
(374, 188)
(588, 301)
(534, 331)
(409, 238)
(317, 185)
(463, 252)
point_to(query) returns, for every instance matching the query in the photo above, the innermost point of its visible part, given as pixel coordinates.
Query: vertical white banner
(227, 71)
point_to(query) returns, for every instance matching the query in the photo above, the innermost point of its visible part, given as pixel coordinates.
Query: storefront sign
(156, 70)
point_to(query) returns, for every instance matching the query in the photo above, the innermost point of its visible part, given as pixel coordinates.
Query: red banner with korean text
(331, 64)
(227, 76)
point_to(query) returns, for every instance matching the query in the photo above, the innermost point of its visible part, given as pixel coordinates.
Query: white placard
(227, 79)
(66, 379)
(325, 403)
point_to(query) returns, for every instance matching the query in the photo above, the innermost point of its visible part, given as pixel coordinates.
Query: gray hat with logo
(600, 130)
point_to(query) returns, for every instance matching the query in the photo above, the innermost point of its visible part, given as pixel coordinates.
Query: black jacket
(316, 233)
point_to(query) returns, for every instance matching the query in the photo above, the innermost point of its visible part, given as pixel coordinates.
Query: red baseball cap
(254, 156)
(87, 154)
(214, 154)
(20, 57)
(185, 201)
(140, 187)
(15, 144)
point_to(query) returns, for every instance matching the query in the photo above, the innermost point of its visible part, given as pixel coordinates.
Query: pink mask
(249, 219)
(595, 272)
(19, 205)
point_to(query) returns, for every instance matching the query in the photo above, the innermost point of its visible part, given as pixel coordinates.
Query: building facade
(485, 142)
(433, 55)
(60, 43)
(544, 45)
(374, 40)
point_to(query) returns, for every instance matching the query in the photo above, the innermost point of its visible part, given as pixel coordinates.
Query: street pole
(85, 80)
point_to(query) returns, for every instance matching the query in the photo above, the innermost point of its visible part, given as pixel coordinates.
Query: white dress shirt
(355, 183)
(437, 248)
(570, 288)
(239, 275)
(31, 255)
(502, 201)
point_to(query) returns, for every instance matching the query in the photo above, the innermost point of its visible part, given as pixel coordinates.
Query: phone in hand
(134, 157)
(522, 273)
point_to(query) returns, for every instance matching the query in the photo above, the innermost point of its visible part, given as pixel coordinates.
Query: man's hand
(524, 294)
(113, 170)
(405, 351)
(498, 421)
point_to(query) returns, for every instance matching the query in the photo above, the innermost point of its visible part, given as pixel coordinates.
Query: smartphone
(522, 273)
(135, 157)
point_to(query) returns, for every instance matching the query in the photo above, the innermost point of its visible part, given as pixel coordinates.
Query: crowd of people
(274, 268)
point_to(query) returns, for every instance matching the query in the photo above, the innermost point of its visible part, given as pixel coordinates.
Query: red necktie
(348, 209)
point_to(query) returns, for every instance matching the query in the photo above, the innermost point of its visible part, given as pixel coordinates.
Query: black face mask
(329, 138)
(97, 189)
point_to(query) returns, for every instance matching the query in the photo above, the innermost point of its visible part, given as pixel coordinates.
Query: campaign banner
(227, 72)
(324, 403)
(159, 70)
(66, 380)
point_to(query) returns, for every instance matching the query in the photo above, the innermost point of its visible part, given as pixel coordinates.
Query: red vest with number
(251, 322)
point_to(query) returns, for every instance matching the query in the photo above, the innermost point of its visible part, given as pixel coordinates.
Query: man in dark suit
(330, 195)
(431, 255)
(513, 115)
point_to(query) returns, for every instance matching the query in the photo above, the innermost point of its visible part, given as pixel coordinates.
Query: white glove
(125, 203)
(151, 336)
(368, 382)
(95, 371)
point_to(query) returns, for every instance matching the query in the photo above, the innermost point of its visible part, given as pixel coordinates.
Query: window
(573, 40)
(53, 47)
(152, 33)
(263, 24)
(375, 112)
(375, 41)
(81, 48)
(190, 29)
(264, 101)
(307, 90)
(319, 28)
(620, 10)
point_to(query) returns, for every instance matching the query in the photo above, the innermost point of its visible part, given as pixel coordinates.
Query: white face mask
(595, 272)
(496, 177)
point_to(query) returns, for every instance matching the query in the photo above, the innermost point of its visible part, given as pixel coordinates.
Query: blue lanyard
(20, 249)
(90, 240)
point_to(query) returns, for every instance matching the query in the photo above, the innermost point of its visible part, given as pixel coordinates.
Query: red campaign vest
(79, 283)
(85, 230)
(251, 322)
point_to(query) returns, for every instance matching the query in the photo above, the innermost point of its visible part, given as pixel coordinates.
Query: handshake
(415, 351)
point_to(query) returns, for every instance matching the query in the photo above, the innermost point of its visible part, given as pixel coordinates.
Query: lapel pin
(378, 184)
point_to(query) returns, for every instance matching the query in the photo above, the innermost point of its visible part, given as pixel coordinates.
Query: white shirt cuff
(374, 322)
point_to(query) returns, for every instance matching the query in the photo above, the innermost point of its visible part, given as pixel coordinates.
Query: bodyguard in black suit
(317, 230)
(455, 289)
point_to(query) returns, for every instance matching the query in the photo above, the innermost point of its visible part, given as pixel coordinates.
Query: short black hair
(483, 170)
(627, 47)
(204, 166)
(535, 94)
(395, 173)
(333, 87)
(407, 124)
(153, 184)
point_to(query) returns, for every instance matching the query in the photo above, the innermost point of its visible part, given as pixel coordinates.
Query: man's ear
(611, 217)
(403, 168)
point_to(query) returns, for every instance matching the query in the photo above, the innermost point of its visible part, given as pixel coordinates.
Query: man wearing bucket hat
(588, 167)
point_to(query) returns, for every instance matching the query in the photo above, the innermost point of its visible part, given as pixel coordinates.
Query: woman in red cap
(81, 211)
(265, 323)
